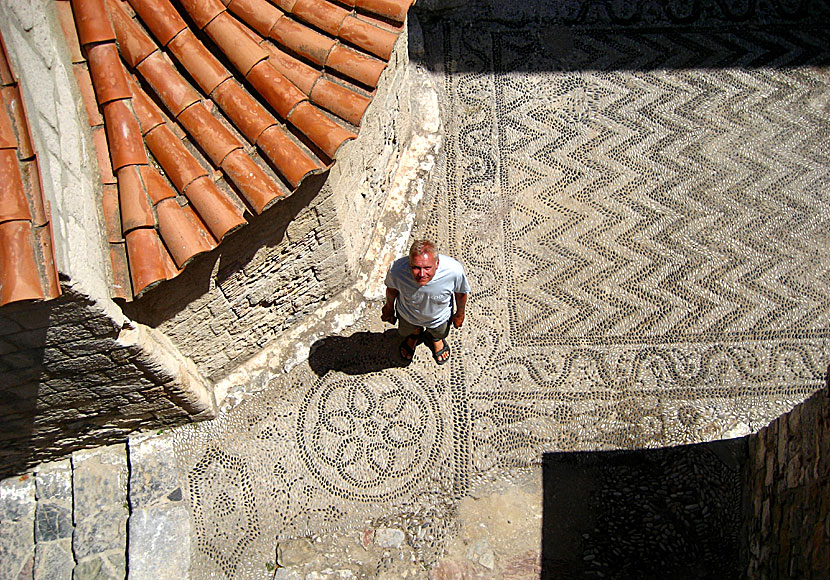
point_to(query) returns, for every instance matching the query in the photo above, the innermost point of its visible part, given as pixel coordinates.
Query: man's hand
(387, 313)
(460, 304)
(458, 318)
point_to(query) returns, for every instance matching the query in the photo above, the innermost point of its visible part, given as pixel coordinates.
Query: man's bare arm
(460, 305)
(387, 313)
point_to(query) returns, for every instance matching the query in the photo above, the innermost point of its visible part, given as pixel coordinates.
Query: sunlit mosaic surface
(644, 217)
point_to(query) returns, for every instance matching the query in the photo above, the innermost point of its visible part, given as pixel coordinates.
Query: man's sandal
(409, 350)
(438, 353)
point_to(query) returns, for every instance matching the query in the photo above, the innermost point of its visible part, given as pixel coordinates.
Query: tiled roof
(27, 262)
(206, 111)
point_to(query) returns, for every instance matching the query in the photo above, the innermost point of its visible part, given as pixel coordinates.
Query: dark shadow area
(647, 514)
(358, 354)
(610, 35)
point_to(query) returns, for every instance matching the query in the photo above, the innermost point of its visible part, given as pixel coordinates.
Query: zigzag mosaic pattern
(645, 220)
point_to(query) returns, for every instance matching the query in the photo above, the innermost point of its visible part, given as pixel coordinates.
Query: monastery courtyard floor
(644, 215)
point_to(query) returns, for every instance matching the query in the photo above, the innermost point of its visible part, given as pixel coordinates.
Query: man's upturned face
(423, 268)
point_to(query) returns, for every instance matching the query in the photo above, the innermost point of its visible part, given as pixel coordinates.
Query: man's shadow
(358, 354)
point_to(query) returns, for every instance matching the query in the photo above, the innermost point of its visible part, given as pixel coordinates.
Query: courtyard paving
(643, 213)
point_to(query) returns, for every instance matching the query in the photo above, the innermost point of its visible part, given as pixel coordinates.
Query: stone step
(115, 512)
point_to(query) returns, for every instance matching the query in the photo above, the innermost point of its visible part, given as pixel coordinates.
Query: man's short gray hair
(420, 247)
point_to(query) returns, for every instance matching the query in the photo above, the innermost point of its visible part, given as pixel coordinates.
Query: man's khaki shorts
(405, 328)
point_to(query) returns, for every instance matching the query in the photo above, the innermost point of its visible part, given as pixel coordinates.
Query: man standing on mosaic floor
(419, 292)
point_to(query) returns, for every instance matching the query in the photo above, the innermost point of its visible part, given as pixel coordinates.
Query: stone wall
(787, 494)
(287, 262)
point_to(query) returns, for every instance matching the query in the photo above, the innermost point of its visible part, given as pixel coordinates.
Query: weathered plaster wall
(787, 494)
(230, 303)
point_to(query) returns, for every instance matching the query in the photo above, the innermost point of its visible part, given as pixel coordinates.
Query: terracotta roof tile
(17, 115)
(105, 71)
(121, 287)
(102, 154)
(392, 9)
(303, 40)
(214, 207)
(341, 101)
(149, 262)
(322, 131)
(293, 163)
(281, 94)
(203, 12)
(13, 204)
(67, 23)
(161, 18)
(133, 44)
(84, 81)
(19, 275)
(178, 163)
(258, 14)
(241, 50)
(194, 143)
(371, 38)
(259, 191)
(247, 114)
(8, 139)
(30, 174)
(46, 253)
(123, 135)
(91, 22)
(214, 138)
(205, 69)
(358, 66)
(182, 232)
(321, 14)
(133, 201)
(157, 187)
(175, 93)
(112, 214)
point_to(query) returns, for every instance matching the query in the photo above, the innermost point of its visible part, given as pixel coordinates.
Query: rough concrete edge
(186, 386)
(389, 238)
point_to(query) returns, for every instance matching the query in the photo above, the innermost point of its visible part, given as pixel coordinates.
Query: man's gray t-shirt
(429, 305)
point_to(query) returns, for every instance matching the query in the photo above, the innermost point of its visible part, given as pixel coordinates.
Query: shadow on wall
(266, 230)
(647, 514)
(607, 35)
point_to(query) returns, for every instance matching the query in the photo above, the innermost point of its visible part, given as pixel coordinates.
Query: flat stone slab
(17, 513)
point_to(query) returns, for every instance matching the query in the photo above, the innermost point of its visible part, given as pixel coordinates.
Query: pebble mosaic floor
(644, 216)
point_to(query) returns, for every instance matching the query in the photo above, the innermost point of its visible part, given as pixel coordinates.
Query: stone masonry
(787, 494)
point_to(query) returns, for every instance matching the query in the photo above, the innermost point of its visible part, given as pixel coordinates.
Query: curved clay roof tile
(157, 187)
(205, 69)
(292, 162)
(203, 12)
(91, 22)
(17, 115)
(245, 112)
(13, 205)
(161, 18)
(256, 187)
(392, 9)
(258, 14)
(176, 94)
(123, 135)
(358, 66)
(150, 264)
(324, 15)
(8, 139)
(148, 115)
(339, 100)
(243, 52)
(183, 235)
(178, 163)
(212, 136)
(280, 93)
(214, 207)
(368, 37)
(302, 40)
(322, 131)
(132, 198)
(133, 44)
(19, 275)
(106, 72)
